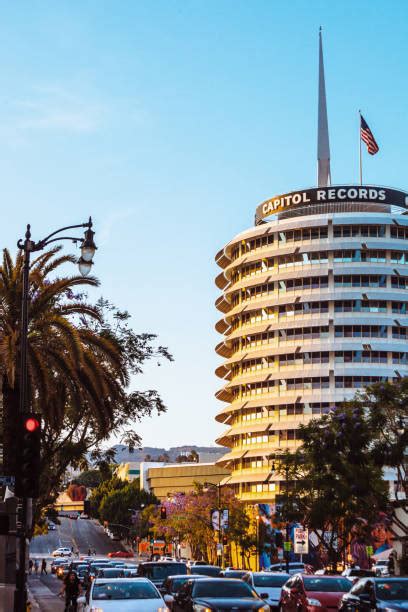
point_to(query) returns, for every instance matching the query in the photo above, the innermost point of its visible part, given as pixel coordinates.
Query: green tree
(115, 505)
(332, 480)
(89, 478)
(104, 489)
(81, 358)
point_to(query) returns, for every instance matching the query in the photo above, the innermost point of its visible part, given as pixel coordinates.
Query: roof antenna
(323, 146)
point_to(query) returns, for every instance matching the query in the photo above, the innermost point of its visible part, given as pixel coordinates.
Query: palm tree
(72, 364)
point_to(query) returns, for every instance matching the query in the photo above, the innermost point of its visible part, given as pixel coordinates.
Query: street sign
(7, 481)
(301, 537)
(287, 546)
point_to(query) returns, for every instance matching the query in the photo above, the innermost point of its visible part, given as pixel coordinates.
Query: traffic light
(163, 512)
(28, 455)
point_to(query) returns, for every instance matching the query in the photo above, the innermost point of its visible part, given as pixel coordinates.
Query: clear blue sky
(169, 121)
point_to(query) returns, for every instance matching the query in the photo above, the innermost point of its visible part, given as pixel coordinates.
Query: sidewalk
(42, 597)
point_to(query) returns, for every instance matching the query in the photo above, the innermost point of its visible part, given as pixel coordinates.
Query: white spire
(323, 146)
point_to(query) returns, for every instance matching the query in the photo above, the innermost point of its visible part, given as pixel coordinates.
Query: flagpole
(359, 141)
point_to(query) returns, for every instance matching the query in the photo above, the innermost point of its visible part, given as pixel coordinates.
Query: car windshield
(124, 590)
(269, 581)
(327, 585)
(177, 583)
(392, 589)
(218, 588)
(162, 570)
(205, 570)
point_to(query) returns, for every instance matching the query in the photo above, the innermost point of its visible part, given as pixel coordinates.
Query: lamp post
(257, 542)
(218, 486)
(85, 263)
(287, 526)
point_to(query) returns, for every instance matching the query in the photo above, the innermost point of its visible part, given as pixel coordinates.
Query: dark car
(234, 573)
(308, 593)
(173, 584)
(376, 594)
(355, 574)
(206, 570)
(157, 571)
(110, 572)
(213, 594)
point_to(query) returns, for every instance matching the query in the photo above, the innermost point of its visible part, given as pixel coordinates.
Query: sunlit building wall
(313, 307)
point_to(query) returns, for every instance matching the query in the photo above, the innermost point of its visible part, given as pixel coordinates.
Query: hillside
(207, 454)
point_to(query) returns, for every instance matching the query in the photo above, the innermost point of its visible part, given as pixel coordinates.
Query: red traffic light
(31, 424)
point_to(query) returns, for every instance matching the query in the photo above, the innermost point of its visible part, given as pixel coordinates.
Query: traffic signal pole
(20, 598)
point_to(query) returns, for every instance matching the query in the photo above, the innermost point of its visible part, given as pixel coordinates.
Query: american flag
(367, 137)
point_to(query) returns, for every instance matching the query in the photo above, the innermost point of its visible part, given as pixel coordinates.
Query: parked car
(294, 568)
(381, 568)
(305, 593)
(84, 516)
(206, 570)
(172, 585)
(379, 594)
(123, 554)
(62, 551)
(266, 582)
(209, 594)
(51, 526)
(111, 595)
(157, 571)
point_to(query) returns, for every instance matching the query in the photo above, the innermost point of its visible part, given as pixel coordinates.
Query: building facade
(314, 307)
(169, 479)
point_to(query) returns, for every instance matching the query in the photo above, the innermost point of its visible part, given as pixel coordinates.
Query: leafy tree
(103, 490)
(332, 480)
(89, 478)
(386, 409)
(81, 358)
(114, 506)
(189, 519)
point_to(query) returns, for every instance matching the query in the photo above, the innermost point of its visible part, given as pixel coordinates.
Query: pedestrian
(72, 549)
(43, 567)
(36, 566)
(94, 552)
(30, 566)
(89, 552)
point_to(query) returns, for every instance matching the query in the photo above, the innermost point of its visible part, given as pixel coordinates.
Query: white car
(51, 527)
(124, 594)
(267, 583)
(62, 551)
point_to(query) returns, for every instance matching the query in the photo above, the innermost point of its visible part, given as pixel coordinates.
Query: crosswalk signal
(28, 455)
(163, 512)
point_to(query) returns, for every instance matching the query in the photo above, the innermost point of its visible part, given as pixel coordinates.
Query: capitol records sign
(324, 195)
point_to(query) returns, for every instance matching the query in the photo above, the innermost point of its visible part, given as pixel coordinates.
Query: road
(82, 535)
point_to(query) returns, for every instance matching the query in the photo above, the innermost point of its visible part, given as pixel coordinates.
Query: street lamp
(287, 530)
(218, 486)
(28, 246)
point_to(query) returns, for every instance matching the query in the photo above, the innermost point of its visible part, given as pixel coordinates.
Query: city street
(82, 535)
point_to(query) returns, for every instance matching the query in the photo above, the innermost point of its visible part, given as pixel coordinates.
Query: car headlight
(199, 608)
(264, 609)
(313, 602)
